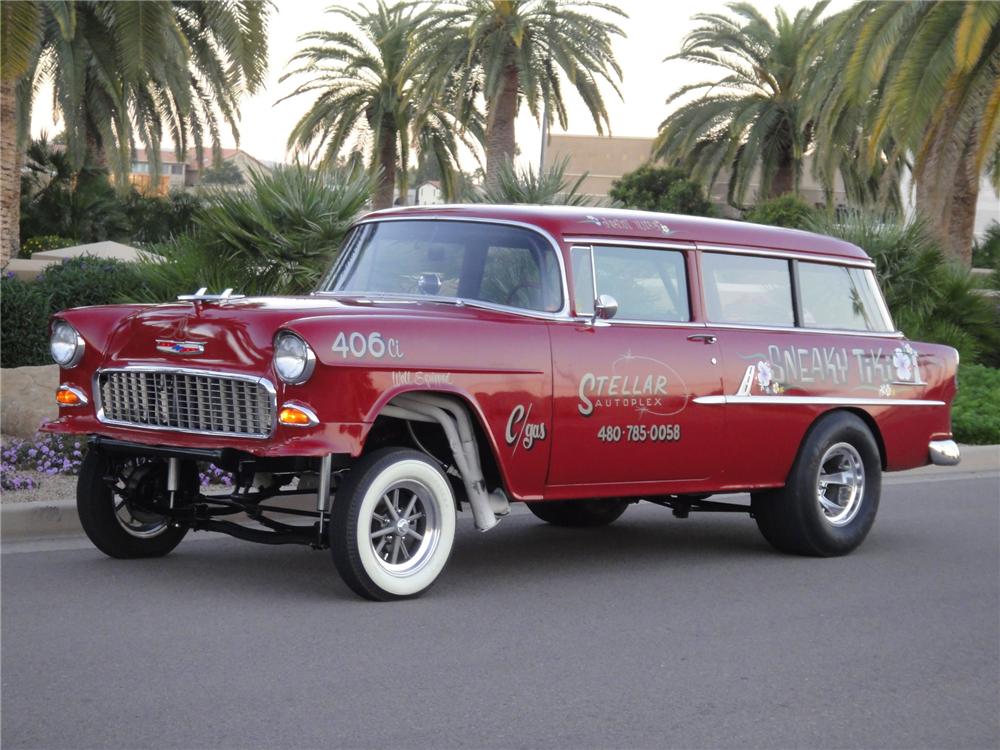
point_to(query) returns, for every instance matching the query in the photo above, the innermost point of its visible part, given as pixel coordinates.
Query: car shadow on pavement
(522, 547)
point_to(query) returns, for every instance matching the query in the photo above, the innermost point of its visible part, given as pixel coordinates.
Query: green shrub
(975, 415)
(548, 187)
(78, 282)
(24, 320)
(154, 219)
(930, 298)
(986, 252)
(784, 211)
(666, 189)
(45, 242)
(275, 236)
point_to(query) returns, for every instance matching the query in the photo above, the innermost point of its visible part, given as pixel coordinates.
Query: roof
(191, 158)
(594, 221)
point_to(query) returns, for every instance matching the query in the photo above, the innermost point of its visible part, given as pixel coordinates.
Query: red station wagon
(577, 360)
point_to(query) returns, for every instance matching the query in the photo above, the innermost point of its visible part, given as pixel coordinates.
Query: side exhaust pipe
(458, 430)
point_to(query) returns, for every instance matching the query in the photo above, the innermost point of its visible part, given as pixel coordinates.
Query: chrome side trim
(562, 313)
(625, 241)
(816, 401)
(840, 260)
(944, 452)
(83, 400)
(313, 418)
(264, 382)
(800, 329)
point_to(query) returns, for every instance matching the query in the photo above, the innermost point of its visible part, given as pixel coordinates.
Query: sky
(654, 30)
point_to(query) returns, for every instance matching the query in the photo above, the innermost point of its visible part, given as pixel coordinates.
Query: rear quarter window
(747, 289)
(840, 297)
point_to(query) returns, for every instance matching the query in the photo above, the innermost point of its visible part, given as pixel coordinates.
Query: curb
(58, 518)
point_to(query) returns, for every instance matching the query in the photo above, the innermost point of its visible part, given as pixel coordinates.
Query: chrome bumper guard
(944, 452)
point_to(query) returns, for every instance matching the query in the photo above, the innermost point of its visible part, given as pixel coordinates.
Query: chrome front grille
(187, 401)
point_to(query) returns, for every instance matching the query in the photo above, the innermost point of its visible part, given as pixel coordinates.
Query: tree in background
(550, 186)
(136, 70)
(225, 173)
(512, 51)
(666, 189)
(752, 116)
(919, 81)
(784, 211)
(21, 34)
(374, 97)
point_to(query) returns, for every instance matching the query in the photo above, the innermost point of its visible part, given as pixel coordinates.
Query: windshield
(476, 261)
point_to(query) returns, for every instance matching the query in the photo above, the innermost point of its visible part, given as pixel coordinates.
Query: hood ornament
(202, 295)
(170, 346)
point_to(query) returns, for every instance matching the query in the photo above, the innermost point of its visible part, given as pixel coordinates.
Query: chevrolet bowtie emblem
(179, 347)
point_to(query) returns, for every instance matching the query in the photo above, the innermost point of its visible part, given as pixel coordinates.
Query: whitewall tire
(393, 524)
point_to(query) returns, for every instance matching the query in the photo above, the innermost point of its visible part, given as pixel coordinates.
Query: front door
(625, 389)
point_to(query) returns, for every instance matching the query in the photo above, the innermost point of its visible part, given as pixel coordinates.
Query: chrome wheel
(139, 485)
(840, 485)
(405, 528)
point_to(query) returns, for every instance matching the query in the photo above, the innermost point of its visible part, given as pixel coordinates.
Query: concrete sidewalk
(41, 520)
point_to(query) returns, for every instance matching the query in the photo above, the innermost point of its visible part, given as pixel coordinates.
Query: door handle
(705, 338)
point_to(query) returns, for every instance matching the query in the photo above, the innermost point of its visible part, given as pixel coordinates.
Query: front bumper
(944, 452)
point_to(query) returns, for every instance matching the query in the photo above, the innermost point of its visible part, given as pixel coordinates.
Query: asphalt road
(655, 632)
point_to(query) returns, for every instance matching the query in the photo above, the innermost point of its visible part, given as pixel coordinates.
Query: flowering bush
(46, 454)
(58, 454)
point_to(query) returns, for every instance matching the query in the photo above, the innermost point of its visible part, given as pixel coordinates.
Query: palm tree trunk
(386, 188)
(10, 175)
(784, 176)
(961, 214)
(501, 142)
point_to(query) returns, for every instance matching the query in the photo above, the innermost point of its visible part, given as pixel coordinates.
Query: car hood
(236, 333)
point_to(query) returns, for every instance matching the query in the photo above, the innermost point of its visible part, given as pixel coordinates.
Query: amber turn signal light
(297, 416)
(67, 395)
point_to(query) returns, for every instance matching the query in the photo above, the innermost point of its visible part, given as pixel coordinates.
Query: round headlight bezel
(68, 336)
(306, 357)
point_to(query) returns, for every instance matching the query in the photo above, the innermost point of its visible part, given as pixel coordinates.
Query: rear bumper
(944, 452)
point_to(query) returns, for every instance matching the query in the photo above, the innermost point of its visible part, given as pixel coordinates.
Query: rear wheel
(579, 513)
(121, 505)
(829, 504)
(393, 524)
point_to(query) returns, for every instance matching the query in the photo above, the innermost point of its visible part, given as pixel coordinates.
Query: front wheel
(118, 503)
(829, 503)
(579, 513)
(393, 525)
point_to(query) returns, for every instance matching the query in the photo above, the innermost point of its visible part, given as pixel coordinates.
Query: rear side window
(840, 297)
(747, 289)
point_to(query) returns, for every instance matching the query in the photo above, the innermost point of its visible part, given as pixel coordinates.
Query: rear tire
(829, 503)
(393, 525)
(579, 513)
(115, 526)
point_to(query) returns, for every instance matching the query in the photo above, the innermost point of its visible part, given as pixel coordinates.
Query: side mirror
(605, 307)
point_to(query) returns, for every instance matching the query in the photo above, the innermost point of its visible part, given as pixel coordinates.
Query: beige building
(605, 159)
(178, 175)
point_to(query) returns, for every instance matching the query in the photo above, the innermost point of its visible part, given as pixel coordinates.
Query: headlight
(293, 359)
(66, 345)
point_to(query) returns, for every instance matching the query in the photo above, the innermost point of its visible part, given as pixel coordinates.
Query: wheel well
(869, 422)
(388, 431)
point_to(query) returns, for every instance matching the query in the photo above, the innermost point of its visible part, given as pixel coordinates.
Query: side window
(839, 297)
(747, 289)
(649, 284)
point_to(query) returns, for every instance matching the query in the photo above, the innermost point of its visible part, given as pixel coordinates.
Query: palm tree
(512, 50)
(923, 82)
(142, 70)
(374, 97)
(752, 117)
(21, 32)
